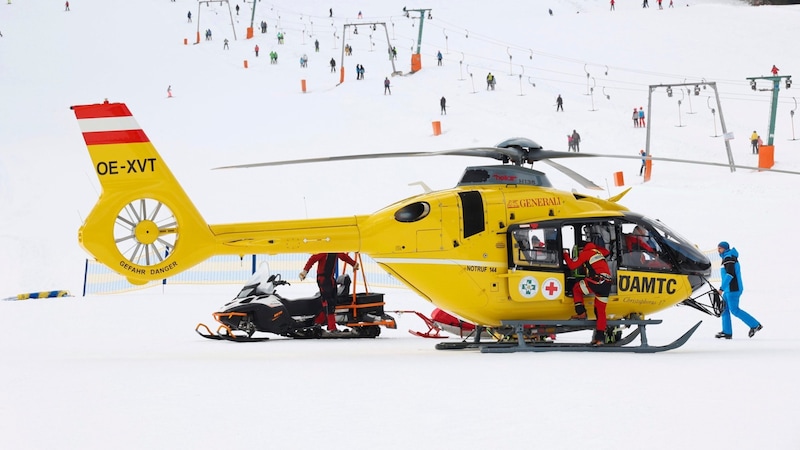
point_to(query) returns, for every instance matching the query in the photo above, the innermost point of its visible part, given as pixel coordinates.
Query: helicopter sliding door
(535, 250)
(534, 262)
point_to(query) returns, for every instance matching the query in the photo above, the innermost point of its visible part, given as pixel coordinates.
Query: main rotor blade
(514, 155)
(585, 182)
(491, 152)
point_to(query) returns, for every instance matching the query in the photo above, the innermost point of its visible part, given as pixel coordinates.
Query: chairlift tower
(416, 59)
(344, 36)
(776, 87)
(712, 85)
(252, 20)
(207, 3)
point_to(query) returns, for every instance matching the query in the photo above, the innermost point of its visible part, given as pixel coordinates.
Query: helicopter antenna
(425, 187)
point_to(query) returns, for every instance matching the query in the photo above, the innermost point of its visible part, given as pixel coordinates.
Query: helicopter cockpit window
(641, 249)
(413, 212)
(535, 247)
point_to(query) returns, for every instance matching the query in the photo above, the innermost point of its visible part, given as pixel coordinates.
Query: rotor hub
(146, 232)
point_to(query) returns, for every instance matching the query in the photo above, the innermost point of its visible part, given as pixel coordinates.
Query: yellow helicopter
(489, 250)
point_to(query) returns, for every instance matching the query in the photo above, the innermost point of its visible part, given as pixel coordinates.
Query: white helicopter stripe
(441, 262)
(108, 124)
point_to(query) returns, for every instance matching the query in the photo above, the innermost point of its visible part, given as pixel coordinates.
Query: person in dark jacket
(443, 104)
(326, 264)
(576, 141)
(731, 289)
(597, 282)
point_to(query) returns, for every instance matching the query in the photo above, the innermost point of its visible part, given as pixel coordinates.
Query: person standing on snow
(754, 142)
(256, 49)
(644, 159)
(387, 86)
(635, 118)
(333, 65)
(443, 104)
(641, 116)
(559, 103)
(326, 264)
(576, 141)
(731, 290)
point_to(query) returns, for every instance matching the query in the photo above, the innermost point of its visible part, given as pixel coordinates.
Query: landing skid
(620, 346)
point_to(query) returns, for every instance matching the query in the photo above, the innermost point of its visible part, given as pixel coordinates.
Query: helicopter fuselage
(457, 249)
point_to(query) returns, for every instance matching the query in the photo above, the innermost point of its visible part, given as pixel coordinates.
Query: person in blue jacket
(731, 290)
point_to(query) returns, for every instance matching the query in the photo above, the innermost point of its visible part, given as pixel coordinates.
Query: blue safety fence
(225, 269)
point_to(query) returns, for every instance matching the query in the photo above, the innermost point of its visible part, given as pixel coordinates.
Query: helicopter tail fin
(143, 226)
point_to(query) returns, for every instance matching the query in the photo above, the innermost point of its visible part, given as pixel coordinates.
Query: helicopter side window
(535, 247)
(473, 215)
(413, 212)
(641, 250)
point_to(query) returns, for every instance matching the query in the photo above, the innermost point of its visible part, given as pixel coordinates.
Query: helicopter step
(562, 326)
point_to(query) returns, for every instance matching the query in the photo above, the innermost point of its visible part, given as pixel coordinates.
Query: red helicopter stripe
(101, 110)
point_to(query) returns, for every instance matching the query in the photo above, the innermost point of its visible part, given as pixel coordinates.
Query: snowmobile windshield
(260, 283)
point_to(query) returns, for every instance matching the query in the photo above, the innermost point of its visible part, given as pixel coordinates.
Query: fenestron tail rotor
(145, 231)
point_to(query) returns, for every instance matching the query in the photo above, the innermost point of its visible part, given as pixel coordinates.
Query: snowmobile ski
(225, 336)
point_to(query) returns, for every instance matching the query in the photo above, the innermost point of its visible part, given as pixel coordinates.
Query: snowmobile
(259, 307)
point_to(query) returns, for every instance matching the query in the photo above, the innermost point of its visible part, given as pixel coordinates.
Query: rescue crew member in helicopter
(637, 241)
(326, 264)
(597, 281)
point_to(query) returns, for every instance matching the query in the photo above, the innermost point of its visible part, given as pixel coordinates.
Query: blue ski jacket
(731, 272)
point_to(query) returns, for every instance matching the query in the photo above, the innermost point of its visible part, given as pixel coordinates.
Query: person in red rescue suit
(597, 281)
(637, 241)
(326, 264)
